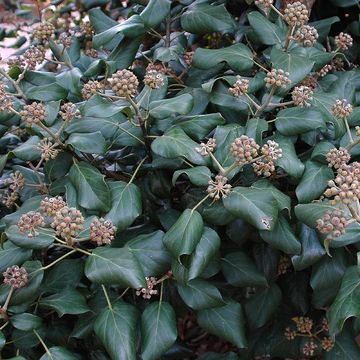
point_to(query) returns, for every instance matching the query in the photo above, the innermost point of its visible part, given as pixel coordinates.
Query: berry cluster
(29, 222)
(90, 88)
(16, 276)
(15, 184)
(50, 206)
(219, 187)
(153, 79)
(332, 224)
(240, 87)
(44, 31)
(302, 96)
(337, 157)
(341, 108)
(343, 41)
(34, 113)
(124, 83)
(296, 14)
(149, 290)
(102, 231)
(206, 148)
(244, 149)
(277, 78)
(306, 35)
(68, 111)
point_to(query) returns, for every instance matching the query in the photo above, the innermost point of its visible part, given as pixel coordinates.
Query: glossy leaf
(185, 234)
(114, 266)
(226, 322)
(158, 330)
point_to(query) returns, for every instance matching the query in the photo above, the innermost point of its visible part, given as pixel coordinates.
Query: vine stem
(266, 103)
(43, 343)
(354, 143)
(56, 261)
(221, 169)
(348, 131)
(235, 165)
(253, 102)
(142, 123)
(54, 136)
(107, 297)
(276, 10)
(280, 104)
(137, 170)
(13, 82)
(7, 301)
(288, 38)
(354, 213)
(200, 202)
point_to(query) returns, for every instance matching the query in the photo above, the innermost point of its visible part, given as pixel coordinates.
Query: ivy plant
(179, 180)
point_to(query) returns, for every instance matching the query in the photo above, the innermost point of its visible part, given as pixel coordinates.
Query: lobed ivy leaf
(226, 322)
(185, 234)
(205, 18)
(92, 191)
(116, 329)
(158, 330)
(114, 266)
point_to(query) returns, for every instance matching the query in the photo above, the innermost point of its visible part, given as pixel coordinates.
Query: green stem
(276, 10)
(266, 103)
(220, 168)
(280, 104)
(348, 131)
(137, 170)
(54, 136)
(289, 36)
(260, 66)
(253, 102)
(228, 170)
(107, 297)
(43, 344)
(353, 213)
(13, 82)
(7, 301)
(200, 202)
(56, 261)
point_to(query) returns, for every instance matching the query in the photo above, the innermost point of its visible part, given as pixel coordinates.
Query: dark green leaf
(226, 322)
(204, 252)
(347, 301)
(295, 121)
(126, 204)
(114, 266)
(26, 321)
(11, 254)
(185, 234)
(116, 329)
(151, 253)
(59, 353)
(91, 143)
(155, 12)
(256, 206)
(282, 237)
(313, 182)
(204, 18)
(238, 57)
(266, 32)
(68, 301)
(158, 330)
(262, 306)
(182, 104)
(198, 175)
(239, 270)
(92, 190)
(199, 294)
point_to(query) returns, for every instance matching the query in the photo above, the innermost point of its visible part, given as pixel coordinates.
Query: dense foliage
(180, 180)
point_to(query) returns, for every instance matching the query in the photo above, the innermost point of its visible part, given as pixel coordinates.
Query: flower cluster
(341, 108)
(48, 149)
(333, 224)
(219, 187)
(6, 103)
(34, 113)
(343, 41)
(305, 327)
(306, 35)
(206, 148)
(44, 31)
(244, 149)
(325, 70)
(124, 83)
(50, 206)
(15, 184)
(153, 79)
(86, 29)
(29, 222)
(16, 276)
(277, 78)
(65, 39)
(34, 56)
(302, 96)
(68, 222)
(337, 157)
(102, 231)
(90, 88)
(149, 290)
(68, 111)
(270, 153)
(296, 13)
(240, 87)
(345, 187)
